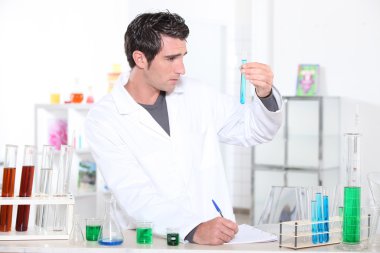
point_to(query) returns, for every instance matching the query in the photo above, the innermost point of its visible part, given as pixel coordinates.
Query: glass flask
(76, 234)
(110, 232)
(8, 186)
(44, 185)
(26, 185)
(63, 185)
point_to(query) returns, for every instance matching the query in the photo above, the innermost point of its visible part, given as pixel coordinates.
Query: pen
(217, 208)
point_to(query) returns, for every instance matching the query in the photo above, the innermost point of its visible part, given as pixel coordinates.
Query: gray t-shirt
(159, 112)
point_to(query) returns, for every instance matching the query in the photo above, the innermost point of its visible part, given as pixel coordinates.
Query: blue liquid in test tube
(314, 229)
(242, 85)
(321, 230)
(326, 217)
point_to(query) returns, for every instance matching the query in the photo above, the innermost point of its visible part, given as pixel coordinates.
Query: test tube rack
(298, 234)
(34, 233)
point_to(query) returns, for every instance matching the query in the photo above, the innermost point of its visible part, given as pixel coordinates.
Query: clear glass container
(352, 191)
(110, 232)
(63, 186)
(8, 186)
(26, 186)
(64, 170)
(76, 235)
(44, 185)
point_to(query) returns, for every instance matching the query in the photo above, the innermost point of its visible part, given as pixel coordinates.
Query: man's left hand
(260, 75)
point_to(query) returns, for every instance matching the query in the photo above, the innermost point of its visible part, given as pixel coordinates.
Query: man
(156, 136)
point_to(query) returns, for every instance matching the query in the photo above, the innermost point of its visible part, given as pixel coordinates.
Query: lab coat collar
(125, 103)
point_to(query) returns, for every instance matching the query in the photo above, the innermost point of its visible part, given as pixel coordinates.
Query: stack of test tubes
(320, 216)
(312, 224)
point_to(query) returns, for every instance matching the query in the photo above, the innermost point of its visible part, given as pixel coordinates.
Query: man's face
(167, 66)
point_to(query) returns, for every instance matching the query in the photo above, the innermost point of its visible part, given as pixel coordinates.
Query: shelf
(64, 123)
(306, 150)
(63, 106)
(38, 200)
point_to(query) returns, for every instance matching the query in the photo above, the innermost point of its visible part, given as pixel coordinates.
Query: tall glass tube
(64, 169)
(352, 191)
(8, 187)
(26, 184)
(44, 184)
(63, 186)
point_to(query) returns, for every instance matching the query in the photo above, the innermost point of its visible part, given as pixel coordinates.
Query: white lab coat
(171, 180)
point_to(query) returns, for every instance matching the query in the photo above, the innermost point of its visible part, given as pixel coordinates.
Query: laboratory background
(59, 57)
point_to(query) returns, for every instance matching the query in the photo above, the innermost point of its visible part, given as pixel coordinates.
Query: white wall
(343, 36)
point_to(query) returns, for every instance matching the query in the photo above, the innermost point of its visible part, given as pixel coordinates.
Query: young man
(156, 136)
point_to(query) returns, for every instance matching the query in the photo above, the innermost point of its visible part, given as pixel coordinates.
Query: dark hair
(144, 33)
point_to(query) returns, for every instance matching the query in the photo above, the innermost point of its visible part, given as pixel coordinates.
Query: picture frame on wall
(307, 79)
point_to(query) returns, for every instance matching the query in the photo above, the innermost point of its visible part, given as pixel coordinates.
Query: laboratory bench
(159, 245)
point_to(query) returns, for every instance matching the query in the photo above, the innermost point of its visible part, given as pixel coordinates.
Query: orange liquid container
(8, 187)
(76, 98)
(7, 191)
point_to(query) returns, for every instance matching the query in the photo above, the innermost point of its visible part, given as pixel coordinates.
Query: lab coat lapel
(127, 105)
(147, 120)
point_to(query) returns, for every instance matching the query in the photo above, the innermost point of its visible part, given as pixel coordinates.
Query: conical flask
(76, 235)
(110, 233)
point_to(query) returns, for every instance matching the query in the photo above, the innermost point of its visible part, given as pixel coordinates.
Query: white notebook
(249, 234)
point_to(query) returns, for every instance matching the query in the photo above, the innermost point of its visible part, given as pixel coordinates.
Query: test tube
(314, 220)
(325, 202)
(8, 186)
(321, 231)
(26, 185)
(44, 188)
(63, 185)
(242, 84)
(352, 191)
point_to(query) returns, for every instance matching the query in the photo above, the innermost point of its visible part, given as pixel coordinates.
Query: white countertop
(159, 245)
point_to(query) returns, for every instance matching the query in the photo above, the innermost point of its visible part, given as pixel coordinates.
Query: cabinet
(64, 123)
(305, 152)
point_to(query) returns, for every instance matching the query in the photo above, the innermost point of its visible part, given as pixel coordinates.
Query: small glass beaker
(172, 236)
(144, 232)
(93, 226)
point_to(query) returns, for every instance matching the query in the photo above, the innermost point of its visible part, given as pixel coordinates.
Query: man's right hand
(215, 232)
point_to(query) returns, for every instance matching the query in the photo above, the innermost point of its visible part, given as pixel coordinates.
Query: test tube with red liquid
(8, 186)
(26, 184)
